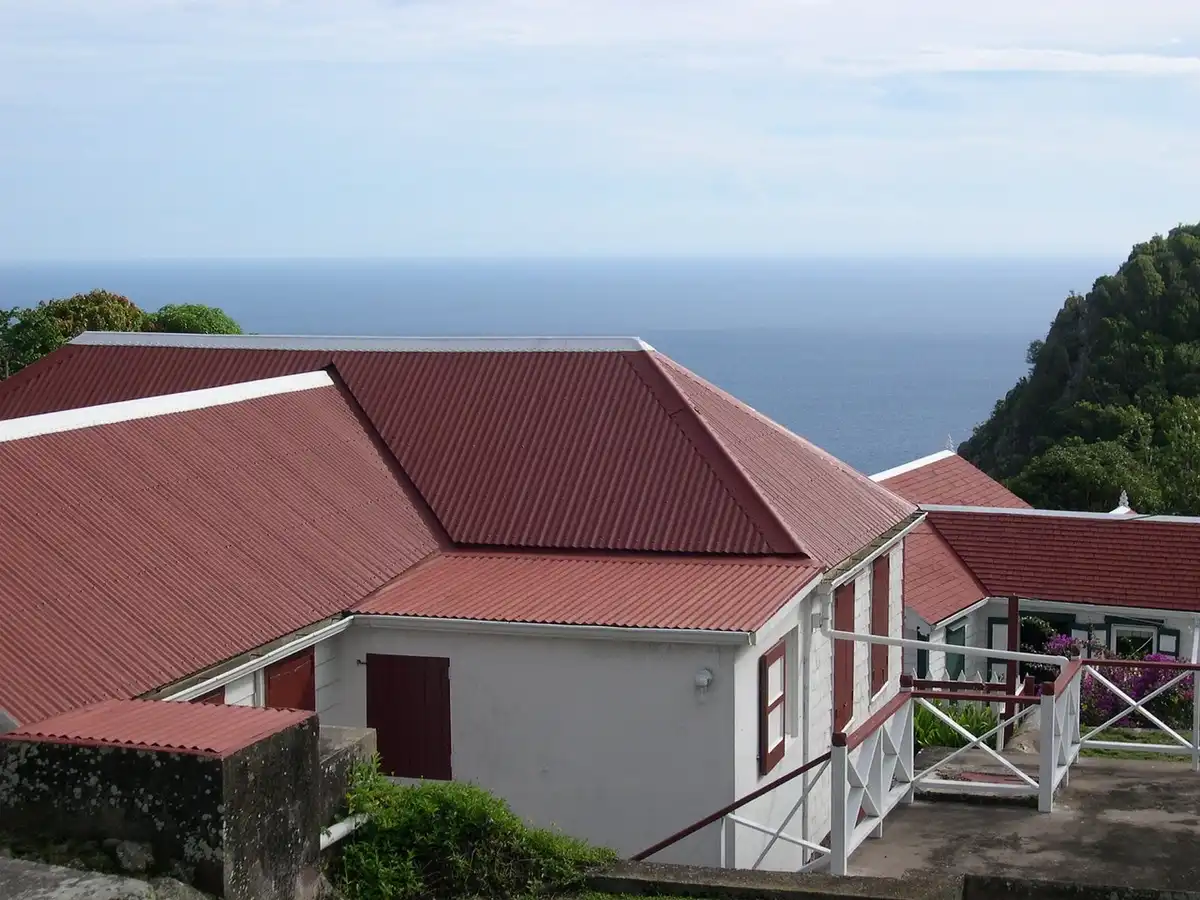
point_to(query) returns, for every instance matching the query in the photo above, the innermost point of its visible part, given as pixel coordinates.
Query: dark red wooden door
(843, 657)
(292, 682)
(408, 705)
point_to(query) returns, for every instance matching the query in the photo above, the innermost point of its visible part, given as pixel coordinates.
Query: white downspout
(829, 632)
(806, 668)
(339, 830)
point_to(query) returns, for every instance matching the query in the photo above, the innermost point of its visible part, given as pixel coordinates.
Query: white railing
(1059, 732)
(1180, 745)
(934, 778)
(872, 774)
(814, 853)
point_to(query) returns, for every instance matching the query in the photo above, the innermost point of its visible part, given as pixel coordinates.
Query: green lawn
(1134, 737)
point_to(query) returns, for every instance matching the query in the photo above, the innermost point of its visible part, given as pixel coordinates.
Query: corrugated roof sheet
(831, 509)
(139, 552)
(936, 582)
(1115, 561)
(952, 481)
(547, 450)
(201, 729)
(644, 591)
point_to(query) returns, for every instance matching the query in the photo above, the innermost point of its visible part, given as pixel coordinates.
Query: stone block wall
(243, 826)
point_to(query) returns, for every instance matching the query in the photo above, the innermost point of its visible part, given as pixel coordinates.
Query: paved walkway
(1130, 823)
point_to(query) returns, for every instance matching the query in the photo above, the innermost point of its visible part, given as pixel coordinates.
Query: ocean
(877, 361)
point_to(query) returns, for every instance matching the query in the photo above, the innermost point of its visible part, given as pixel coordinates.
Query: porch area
(1128, 822)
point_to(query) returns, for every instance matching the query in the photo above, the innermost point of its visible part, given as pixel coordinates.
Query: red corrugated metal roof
(645, 591)
(547, 450)
(1114, 560)
(952, 481)
(936, 582)
(201, 729)
(831, 509)
(140, 552)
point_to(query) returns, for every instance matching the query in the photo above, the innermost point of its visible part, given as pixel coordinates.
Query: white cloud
(862, 36)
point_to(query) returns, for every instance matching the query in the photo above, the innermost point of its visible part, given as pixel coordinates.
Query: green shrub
(930, 731)
(446, 840)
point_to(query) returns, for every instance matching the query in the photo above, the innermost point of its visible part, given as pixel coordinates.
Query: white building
(572, 572)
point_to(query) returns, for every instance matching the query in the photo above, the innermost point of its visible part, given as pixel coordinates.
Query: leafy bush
(930, 731)
(446, 840)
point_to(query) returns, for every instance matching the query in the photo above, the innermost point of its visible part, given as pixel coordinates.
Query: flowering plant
(1099, 704)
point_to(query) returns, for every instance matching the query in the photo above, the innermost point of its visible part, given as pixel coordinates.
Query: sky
(134, 129)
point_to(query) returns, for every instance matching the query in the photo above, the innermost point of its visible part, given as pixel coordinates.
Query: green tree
(1076, 475)
(1114, 382)
(29, 333)
(191, 318)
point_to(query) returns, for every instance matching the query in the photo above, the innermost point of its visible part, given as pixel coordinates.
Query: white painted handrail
(964, 649)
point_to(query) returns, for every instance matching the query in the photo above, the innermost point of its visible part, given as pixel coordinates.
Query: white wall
(240, 692)
(608, 740)
(772, 809)
(328, 674)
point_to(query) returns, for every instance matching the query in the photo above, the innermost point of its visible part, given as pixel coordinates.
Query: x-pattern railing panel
(779, 834)
(973, 742)
(870, 779)
(1139, 706)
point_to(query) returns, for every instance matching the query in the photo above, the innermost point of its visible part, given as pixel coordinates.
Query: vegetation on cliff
(1112, 399)
(29, 333)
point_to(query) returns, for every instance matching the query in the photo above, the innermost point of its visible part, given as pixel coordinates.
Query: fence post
(1049, 754)
(1196, 720)
(839, 777)
(724, 840)
(906, 750)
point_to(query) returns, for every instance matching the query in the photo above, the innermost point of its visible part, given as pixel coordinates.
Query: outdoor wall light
(703, 679)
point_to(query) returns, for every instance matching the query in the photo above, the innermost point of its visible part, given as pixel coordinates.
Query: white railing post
(724, 840)
(906, 752)
(1049, 738)
(839, 836)
(1196, 721)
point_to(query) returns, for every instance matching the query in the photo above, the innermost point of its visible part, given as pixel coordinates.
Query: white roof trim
(1064, 514)
(951, 618)
(340, 342)
(547, 629)
(913, 466)
(149, 407)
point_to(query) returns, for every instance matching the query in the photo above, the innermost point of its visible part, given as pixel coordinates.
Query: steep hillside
(1112, 398)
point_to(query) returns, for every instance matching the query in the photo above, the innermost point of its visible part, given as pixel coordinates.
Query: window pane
(1133, 641)
(775, 726)
(1168, 643)
(999, 636)
(775, 679)
(956, 664)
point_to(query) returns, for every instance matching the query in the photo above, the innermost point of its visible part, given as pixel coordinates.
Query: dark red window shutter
(880, 590)
(772, 730)
(843, 657)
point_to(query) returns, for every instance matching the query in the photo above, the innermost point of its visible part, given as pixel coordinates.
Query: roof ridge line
(407, 483)
(343, 343)
(987, 590)
(825, 456)
(82, 417)
(781, 532)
